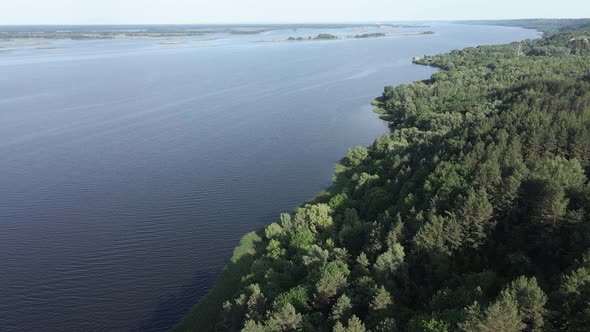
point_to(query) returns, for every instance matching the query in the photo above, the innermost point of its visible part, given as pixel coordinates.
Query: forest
(472, 214)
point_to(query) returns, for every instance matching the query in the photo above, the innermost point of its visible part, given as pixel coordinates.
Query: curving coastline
(335, 202)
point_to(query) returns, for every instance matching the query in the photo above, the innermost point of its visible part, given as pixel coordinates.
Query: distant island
(370, 35)
(381, 34)
(321, 36)
(326, 36)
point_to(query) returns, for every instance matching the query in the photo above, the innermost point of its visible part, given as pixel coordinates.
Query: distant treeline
(90, 32)
(119, 31)
(547, 26)
(325, 36)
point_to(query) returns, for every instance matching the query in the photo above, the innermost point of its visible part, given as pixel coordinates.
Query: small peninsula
(370, 35)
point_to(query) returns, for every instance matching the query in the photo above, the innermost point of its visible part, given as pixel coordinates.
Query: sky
(278, 11)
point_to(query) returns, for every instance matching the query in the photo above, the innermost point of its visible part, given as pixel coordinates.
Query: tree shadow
(171, 308)
(174, 311)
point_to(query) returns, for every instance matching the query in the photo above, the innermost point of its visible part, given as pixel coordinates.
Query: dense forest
(471, 215)
(545, 25)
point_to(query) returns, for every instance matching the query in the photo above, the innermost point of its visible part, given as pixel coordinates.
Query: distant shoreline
(333, 38)
(161, 31)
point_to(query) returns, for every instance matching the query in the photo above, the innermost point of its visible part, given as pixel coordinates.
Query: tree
(250, 305)
(530, 301)
(275, 250)
(332, 281)
(286, 221)
(253, 326)
(315, 256)
(572, 308)
(285, 319)
(362, 265)
(354, 325)
(386, 325)
(381, 299)
(273, 231)
(389, 262)
(395, 234)
(356, 156)
(428, 324)
(301, 239)
(440, 234)
(315, 217)
(474, 218)
(342, 309)
(548, 185)
(296, 296)
(502, 315)
(338, 201)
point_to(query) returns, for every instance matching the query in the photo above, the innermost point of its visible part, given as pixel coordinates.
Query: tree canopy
(471, 215)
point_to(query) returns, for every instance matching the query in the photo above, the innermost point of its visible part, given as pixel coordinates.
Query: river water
(131, 168)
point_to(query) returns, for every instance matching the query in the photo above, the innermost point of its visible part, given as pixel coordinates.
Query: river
(131, 168)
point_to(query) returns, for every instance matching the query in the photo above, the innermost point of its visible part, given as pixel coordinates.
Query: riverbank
(173, 190)
(206, 312)
(203, 320)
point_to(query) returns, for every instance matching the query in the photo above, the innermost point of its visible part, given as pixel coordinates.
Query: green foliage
(386, 325)
(342, 309)
(354, 325)
(315, 217)
(301, 238)
(430, 324)
(474, 218)
(273, 230)
(338, 201)
(362, 265)
(390, 262)
(253, 326)
(520, 306)
(333, 279)
(502, 315)
(356, 156)
(440, 234)
(530, 300)
(315, 257)
(285, 319)
(572, 305)
(250, 305)
(296, 296)
(381, 300)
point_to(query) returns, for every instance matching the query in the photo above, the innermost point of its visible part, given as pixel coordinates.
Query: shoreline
(204, 312)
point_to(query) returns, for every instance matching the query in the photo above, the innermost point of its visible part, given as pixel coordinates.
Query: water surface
(131, 168)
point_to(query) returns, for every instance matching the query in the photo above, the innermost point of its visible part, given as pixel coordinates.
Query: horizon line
(298, 22)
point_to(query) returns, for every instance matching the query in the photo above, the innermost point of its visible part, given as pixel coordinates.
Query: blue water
(130, 168)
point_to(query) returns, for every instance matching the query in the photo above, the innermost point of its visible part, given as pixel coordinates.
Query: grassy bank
(204, 314)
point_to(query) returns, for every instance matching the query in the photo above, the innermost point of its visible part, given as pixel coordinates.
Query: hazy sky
(258, 11)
